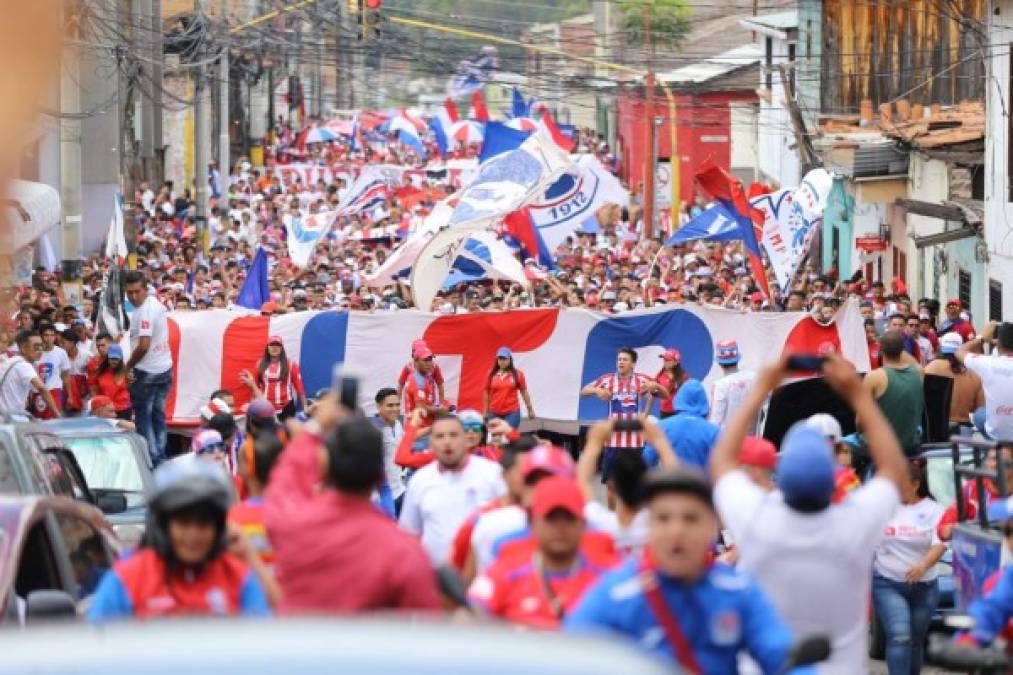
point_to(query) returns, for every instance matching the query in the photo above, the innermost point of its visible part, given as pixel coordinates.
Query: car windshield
(109, 463)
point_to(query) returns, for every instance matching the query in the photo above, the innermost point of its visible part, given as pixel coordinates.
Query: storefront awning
(28, 210)
(969, 212)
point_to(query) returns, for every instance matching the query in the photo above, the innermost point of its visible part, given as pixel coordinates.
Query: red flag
(726, 188)
(478, 109)
(558, 136)
(451, 109)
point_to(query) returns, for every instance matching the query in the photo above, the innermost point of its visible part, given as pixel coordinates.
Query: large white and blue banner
(559, 350)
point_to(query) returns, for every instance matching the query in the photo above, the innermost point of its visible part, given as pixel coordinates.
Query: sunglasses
(473, 426)
(214, 448)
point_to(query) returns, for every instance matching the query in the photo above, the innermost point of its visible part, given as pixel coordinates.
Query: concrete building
(998, 183)
(777, 155)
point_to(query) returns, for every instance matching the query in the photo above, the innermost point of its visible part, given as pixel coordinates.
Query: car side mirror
(112, 502)
(49, 605)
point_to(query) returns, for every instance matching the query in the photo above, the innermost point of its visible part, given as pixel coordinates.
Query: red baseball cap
(671, 355)
(557, 492)
(756, 297)
(548, 459)
(276, 340)
(758, 452)
(421, 351)
(954, 301)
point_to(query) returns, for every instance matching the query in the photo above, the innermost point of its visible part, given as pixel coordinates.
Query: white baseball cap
(827, 425)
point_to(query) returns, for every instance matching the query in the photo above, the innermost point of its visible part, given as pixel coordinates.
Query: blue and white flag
(370, 188)
(472, 74)
(572, 202)
(714, 224)
(509, 181)
(462, 254)
(304, 232)
(500, 138)
(442, 125)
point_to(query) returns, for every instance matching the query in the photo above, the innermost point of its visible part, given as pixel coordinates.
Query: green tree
(670, 21)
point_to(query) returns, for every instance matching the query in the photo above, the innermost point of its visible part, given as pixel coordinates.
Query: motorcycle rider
(189, 561)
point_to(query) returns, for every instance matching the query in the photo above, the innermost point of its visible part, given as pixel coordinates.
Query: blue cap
(503, 353)
(115, 352)
(1000, 510)
(805, 471)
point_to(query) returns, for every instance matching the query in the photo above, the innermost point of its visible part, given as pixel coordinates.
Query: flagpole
(648, 206)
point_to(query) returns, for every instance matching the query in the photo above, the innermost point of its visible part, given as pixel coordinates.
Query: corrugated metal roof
(780, 25)
(716, 66)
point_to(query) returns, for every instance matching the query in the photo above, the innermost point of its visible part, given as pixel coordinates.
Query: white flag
(304, 232)
(116, 241)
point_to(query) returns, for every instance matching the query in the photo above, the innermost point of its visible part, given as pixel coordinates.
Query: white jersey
(814, 567)
(727, 395)
(907, 538)
(16, 377)
(151, 320)
(438, 501)
(51, 366)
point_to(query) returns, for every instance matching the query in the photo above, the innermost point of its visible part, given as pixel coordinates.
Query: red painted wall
(703, 129)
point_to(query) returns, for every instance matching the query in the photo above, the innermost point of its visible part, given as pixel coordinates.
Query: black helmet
(183, 484)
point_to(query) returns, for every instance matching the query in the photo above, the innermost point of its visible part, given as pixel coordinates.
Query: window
(994, 300)
(900, 264)
(37, 569)
(964, 287)
(808, 38)
(87, 550)
(109, 463)
(768, 63)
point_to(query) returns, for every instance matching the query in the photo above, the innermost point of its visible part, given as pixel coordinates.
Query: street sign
(870, 244)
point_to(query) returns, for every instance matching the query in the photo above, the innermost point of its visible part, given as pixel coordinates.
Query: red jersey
(154, 592)
(249, 516)
(624, 405)
(409, 368)
(521, 592)
(504, 389)
(106, 384)
(970, 505)
(665, 380)
(280, 391)
(92, 369)
(420, 389)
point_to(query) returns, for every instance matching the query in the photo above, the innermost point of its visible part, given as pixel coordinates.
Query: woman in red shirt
(277, 380)
(670, 378)
(111, 380)
(505, 383)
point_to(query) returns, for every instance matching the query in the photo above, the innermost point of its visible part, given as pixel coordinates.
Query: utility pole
(201, 131)
(649, 122)
(70, 145)
(224, 156)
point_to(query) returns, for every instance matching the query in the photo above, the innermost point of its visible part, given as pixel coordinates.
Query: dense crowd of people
(710, 545)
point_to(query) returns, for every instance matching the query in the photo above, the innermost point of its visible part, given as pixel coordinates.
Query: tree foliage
(669, 19)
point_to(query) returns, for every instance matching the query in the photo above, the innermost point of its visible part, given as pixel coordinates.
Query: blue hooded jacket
(688, 431)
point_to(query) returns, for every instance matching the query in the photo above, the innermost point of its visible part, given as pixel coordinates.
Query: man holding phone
(622, 391)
